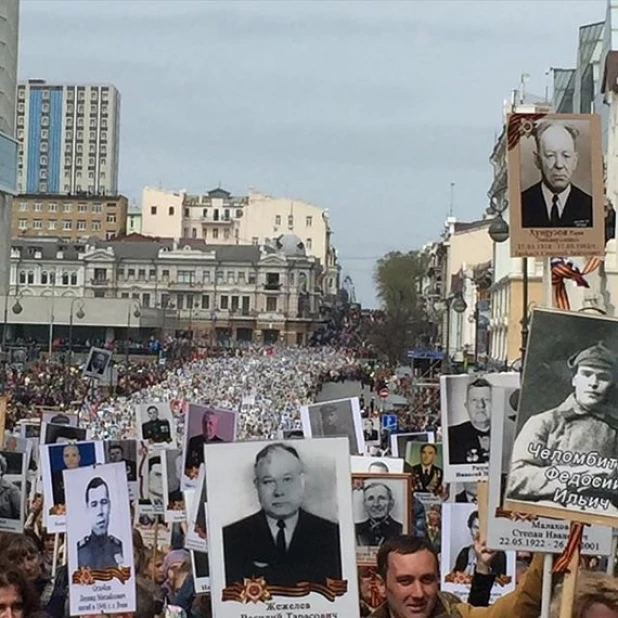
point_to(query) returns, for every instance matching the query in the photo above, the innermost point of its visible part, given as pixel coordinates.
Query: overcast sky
(369, 109)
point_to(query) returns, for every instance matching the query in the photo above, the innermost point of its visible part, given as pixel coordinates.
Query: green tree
(398, 278)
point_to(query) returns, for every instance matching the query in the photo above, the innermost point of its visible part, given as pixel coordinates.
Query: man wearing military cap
(333, 420)
(585, 422)
(99, 550)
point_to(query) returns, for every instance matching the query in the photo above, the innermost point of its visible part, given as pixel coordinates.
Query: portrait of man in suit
(554, 201)
(282, 542)
(426, 476)
(378, 503)
(209, 434)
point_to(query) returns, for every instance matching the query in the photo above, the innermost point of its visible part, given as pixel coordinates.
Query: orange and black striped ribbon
(576, 533)
(561, 271)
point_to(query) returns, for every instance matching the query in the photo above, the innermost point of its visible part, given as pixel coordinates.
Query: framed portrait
(56, 434)
(381, 507)
(124, 451)
(54, 460)
(30, 428)
(201, 572)
(424, 462)
(150, 480)
(376, 465)
(196, 538)
(155, 424)
(204, 424)
(512, 531)
(458, 559)
(399, 441)
(564, 462)
(556, 194)
(99, 541)
(97, 363)
(466, 422)
(12, 442)
(370, 589)
(173, 500)
(13, 488)
(56, 417)
(338, 418)
(286, 529)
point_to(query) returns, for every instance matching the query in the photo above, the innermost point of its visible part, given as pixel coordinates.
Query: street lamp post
(458, 305)
(16, 309)
(80, 315)
(137, 312)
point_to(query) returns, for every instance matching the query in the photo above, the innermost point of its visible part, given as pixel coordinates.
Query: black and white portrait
(201, 572)
(55, 434)
(99, 539)
(381, 506)
(288, 521)
(564, 455)
(376, 465)
(339, 418)
(292, 434)
(155, 423)
(150, 481)
(30, 429)
(12, 495)
(466, 421)
(460, 553)
(196, 537)
(124, 451)
(97, 362)
(59, 418)
(173, 500)
(204, 424)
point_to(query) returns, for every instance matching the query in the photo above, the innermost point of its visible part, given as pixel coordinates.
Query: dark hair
(479, 383)
(97, 481)
(267, 450)
(404, 544)
(20, 547)
(153, 461)
(12, 576)
(3, 464)
(474, 515)
(430, 445)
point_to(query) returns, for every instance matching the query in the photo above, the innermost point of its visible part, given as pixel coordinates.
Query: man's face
(478, 404)
(11, 444)
(115, 454)
(411, 584)
(600, 610)
(474, 528)
(11, 602)
(280, 484)
(210, 424)
(556, 158)
(329, 418)
(153, 413)
(376, 501)
(98, 361)
(155, 480)
(591, 385)
(98, 510)
(427, 456)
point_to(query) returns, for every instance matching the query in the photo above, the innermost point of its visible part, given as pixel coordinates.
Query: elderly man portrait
(379, 526)
(585, 422)
(468, 442)
(209, 434)
(282, 542)
(555, 201)
(10, 496)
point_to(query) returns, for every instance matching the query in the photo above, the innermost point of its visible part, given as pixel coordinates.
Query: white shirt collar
(288, 531)
(548, 197)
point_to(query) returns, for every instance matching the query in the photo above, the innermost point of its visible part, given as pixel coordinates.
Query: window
(241, 277)
(180, 301)
(97, 208)
(187, 212)
(255, 240)
(308, 243)
(131, 273)
(51, 224)
(204, 212)
(165, 300)
(146, 300)
(215, 233)
(226, 234)
(23, 224)
(81, 226)
(141, 274)
(235, 303)
(246, 303)
(44, 278)
(271, 303)
(194, 232)
(23, 206)
(124, 295)
(206, 276)
(120, 274)
(165, 274)
(65, 278)
(170, 211)
(225, 302)
(219, 276)
(82, 208)
(22, 277)
(278, 220)
(30, 277)
(186, 276)
(73, 278)
(152, 274)
(111, 218)
(96, 226)
(205, 301)
(37, 224)
(67, 225)
(308, 221)
(230, 276)
(226, 214)
(153, 210)
(291, 221)
(252, 277)
(52, 207)
(67, 208)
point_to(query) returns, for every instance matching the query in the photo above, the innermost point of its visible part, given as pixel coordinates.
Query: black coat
(498, 563)
(314, 552)
(195, 450)
(577, 210)
(368, 537)
(464, 445)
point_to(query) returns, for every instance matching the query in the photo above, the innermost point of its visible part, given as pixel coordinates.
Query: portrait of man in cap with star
(561, 455)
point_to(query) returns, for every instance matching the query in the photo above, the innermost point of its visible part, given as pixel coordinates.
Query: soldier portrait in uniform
(566, 437)
(339, 418)
(381, 506)
(98, 360)
(12, 479)
(204, 424)
(425, 461)
(99, 537)
(155, 423)
(125, 451)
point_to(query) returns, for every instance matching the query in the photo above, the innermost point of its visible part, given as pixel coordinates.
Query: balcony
(272, 286)
(99, 282)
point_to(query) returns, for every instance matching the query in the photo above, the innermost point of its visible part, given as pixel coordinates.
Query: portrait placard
(99, 541)
(510, 531)
(150, 481)
(201, 572)
(424, 463)
(381, 508)
(196, 537)
(399, 441)
(152, 527)
(15, 443)
(55, 434)
(204, 424)
(466, 422)
(564, 462)
(97, 362)
(458, 559)
(13, 489)
(173, 500)
(155, 424)
(124, 451)
(337, 418)
(199, 559)
(285, 531)
(54, 460)
(556, 193)
(57, 417)
(376, 465)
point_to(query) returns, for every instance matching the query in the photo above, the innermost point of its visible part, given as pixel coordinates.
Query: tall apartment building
(68, 138)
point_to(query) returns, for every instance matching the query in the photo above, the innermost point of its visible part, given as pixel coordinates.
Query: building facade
(223, 293)
(69, 137)
(69, 216)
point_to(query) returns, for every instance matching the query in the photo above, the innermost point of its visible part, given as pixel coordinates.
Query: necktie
(555, 213)
(280, 540)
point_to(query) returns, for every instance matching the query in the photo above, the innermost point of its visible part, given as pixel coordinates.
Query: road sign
(384, 393)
